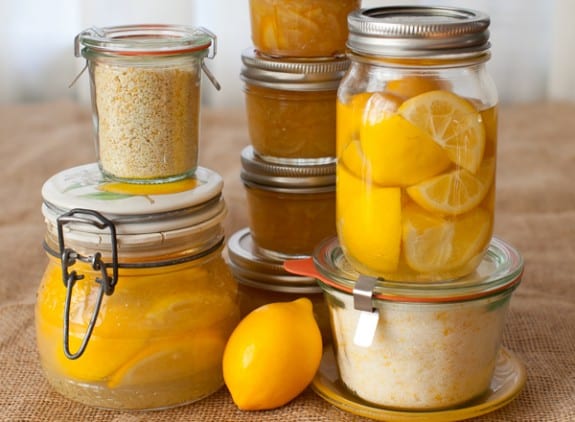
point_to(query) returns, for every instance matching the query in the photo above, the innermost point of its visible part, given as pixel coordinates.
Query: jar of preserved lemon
(290, 208)
(416, 143)
(262, 280)
(136, 302)
(145, 89)
(300, 28)
(290, 106)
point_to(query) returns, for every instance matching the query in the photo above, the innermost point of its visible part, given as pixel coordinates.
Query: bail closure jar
(136, 303)
(416, 143)
(417, 346)
(290, 106)
(145, 89)
(290, 208)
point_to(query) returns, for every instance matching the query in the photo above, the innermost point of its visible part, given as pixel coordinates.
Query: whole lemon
(272, 355)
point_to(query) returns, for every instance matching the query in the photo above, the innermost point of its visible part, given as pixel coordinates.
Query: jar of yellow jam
(416, 143)
(290, 208)
(136, 303)
(262, 280)
(300, 28)
(145, 89)
(291, 106)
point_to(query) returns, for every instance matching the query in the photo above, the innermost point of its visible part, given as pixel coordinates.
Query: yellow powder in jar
(147, 120)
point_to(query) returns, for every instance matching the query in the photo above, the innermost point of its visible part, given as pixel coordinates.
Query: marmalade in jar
(300, 28)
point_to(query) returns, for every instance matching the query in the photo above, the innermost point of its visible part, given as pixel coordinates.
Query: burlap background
(535, 213)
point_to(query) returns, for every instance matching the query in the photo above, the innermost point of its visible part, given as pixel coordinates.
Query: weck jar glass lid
(501, 269)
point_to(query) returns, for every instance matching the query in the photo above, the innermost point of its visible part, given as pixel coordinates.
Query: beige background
(535, 213)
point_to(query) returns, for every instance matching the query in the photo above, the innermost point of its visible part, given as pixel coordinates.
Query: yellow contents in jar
(299, 28)
(436, 152)
(291, 125)
(158, 339)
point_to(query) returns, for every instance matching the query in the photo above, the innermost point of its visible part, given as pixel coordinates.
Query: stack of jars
(416, 284)
(136, 303)
(290, 76)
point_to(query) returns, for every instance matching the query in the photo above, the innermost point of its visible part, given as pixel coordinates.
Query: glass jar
(290, 105)
(300, 28)
(145, 89)
(416, 143)
(262, 280)
(290, 208)
(136, 303)
(416, 346)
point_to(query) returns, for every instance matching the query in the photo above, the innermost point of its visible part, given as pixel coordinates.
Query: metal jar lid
(285, 177)
(254, 269)
(293, 74)
(418, 31)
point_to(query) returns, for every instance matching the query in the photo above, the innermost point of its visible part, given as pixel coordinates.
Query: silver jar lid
(293, 74)
(291, 178)
(418, 31)
(254, 269)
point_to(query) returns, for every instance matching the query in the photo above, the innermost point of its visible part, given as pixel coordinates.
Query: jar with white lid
(291, 208)
(262, 280)
(136, 303)
(416, 143)
(416, 347)
(145, 89)
(291, 106)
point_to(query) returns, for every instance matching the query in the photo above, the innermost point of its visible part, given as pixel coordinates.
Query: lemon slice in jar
(172, 359)
(433, 244)
(452, 121)
(455, 192)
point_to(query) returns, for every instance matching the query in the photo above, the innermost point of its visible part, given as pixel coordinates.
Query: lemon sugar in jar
(291, 106)
(136, 303)
(416, 143)
(262, 280)
(145, 89)
(416, 346)
(290, 208)
(300, 28)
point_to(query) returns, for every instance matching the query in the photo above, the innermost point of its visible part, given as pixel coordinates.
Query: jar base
(151, 180)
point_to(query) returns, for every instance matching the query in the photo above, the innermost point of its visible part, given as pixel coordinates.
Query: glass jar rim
(500, 270)
(146, 39)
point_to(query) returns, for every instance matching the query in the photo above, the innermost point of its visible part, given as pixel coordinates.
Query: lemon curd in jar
(300, 28)
(290, 106)
(416, 154)
(290, 208)
(151, 299)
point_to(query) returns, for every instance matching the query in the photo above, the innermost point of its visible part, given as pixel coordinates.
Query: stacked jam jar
(290, 76)
(136, 303)
(416, 284)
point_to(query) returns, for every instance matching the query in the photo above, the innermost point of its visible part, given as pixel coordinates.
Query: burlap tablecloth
(535, 213)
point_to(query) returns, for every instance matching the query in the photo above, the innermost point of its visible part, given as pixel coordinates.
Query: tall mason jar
(416, 143)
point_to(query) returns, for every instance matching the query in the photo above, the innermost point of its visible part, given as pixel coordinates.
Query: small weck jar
(136, 303)
(417, 346)
(145, 89)
(416, 143)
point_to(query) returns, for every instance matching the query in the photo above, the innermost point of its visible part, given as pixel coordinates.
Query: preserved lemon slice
(369, 223)
(455, 192)
(410, 86)
(434, 244)
(452, 121)
(171, 359)
(400, 153)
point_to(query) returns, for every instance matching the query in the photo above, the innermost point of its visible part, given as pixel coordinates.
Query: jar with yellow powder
(136, 302)
(416, 143)
(145, 89)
